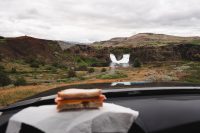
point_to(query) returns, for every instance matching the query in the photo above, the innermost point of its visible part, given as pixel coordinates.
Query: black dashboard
(160, 111)
(164, 114)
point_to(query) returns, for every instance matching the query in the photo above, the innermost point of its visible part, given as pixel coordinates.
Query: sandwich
(79, 99)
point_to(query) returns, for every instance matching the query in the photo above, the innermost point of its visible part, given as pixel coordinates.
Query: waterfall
(125, 59)
(124, 62)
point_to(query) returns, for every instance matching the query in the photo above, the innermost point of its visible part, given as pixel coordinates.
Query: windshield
(49, 44)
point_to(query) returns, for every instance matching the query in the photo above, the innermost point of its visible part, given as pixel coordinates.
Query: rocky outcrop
(50, 51)
(144, 53)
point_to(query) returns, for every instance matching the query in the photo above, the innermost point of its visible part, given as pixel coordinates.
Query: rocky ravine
(147, 47)
(145, 53)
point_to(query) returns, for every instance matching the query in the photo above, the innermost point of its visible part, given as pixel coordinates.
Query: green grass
(111, 76)
(34, 75)
(195, 42)
(68, 80)
(98, 47)
(88, 61)
(2, 41)
(193, 73)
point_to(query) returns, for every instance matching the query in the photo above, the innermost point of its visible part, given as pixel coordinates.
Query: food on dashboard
(79, 99)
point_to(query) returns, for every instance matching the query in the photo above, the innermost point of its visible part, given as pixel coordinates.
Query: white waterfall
(125, 59)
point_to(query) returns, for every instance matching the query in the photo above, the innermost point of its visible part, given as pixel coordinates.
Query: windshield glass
(49, 44)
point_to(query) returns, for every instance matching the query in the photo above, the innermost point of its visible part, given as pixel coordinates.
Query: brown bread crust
(79, 93)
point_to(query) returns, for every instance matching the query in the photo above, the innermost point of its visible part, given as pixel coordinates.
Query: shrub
(41, 63)
(79, 60)
(2, 68)
(1, 57)
(29, 60)
(94, 65)
(91, 70)
(20, 81)
(34, 64)
(111, 76)
(136, 63)
(88, 61)
(117, 51)
(51, 68)
(4, 79)
(81, 78)
(55, 64)
(82, 68)
(100, 64)
(59, 65)
(71, 73)
(13, 70)
(103, 70)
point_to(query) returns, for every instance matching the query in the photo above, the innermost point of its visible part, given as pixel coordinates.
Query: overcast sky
(94, 20)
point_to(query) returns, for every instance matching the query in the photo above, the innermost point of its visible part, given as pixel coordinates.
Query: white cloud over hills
(93, 20)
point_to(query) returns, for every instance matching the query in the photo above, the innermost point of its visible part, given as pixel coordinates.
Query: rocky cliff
(147, 47)
(144, 53)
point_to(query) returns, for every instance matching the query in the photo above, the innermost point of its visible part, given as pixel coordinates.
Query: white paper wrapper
(109, 118)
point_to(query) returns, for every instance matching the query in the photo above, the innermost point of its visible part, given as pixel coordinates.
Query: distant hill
(66, 44)
(146, 39)
(147, 47)
(26, 47)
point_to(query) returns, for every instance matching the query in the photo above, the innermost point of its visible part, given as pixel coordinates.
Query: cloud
(94, 20)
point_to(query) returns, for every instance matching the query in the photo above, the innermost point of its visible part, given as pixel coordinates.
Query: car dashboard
(160, 111)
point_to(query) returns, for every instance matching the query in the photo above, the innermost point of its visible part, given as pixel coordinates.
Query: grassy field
(193, 72)
(47, 77)
(13, 94)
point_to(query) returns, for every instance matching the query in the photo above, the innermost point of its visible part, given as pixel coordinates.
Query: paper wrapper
(109, 118)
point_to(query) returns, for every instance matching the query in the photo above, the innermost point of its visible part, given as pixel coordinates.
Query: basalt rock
(144, 53)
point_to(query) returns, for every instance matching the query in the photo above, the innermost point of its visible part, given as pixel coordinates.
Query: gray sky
(94, 20)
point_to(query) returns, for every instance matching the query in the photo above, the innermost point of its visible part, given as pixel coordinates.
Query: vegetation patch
(91, 70)
(103, 70)
(82, 68)
(136, 63)
(193, 73)
(71, 73)
(20, 81)
(13, 70)
(90, 61)
(156, 43)
(11, 95)
(34, 63)
(4, 79)
(195, 42)
(2, 40)
(59, 65)
(116, 75)
(121, 50)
